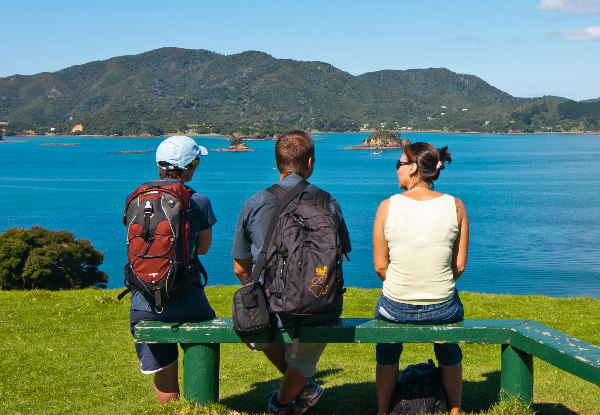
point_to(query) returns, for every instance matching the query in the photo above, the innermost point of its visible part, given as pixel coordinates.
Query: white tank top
(420, 236)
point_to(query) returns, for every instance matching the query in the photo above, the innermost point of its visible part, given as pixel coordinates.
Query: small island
(236, 145)
(382, 140)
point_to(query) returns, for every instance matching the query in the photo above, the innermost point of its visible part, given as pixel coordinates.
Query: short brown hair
(293, 149)
(168, 171)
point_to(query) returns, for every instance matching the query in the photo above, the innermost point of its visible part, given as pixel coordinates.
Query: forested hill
(170, 89)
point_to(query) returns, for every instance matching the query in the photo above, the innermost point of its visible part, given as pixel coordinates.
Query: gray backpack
(303, 263)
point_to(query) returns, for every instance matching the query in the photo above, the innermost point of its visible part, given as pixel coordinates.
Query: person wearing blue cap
(177, 159)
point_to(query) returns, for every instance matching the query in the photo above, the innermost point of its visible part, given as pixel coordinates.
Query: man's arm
(204, 241)
(242, 268)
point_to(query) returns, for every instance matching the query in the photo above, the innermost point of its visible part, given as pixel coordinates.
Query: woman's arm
(381, 251)
(461, 245)
(203, 241)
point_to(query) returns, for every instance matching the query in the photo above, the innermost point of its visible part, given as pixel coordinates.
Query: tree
(52, 260)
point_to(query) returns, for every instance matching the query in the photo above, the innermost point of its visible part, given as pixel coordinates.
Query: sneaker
(274, 407)
(307, 397)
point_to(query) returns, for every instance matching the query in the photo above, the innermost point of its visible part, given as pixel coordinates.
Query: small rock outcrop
(382, 139)
(236, 144)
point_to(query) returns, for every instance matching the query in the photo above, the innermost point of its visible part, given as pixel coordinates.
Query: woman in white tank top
(420, 245)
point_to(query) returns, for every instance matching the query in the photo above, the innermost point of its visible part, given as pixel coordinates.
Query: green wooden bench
(520, 340)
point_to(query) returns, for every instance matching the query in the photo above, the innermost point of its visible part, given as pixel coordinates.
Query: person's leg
(159, 359)
(386, 378)
(276, 355)
(166, 384)
(452, 383)
(449, 357)
(386, 373)
(292, 383)
(300, 366)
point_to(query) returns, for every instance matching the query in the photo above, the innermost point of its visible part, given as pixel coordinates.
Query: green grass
(71, 352)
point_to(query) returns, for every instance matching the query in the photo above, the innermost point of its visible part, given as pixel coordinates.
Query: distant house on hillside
(77, 128)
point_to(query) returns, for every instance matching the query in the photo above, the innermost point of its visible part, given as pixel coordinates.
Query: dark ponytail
(430, 160)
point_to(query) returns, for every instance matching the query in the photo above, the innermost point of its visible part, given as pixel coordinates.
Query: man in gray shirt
(294, 156)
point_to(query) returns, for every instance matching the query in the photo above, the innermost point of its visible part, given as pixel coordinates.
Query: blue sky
(527, 48)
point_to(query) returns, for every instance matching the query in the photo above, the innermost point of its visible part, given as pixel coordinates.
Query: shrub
(52, 260)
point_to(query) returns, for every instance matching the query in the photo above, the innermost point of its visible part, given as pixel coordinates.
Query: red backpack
(159, 262)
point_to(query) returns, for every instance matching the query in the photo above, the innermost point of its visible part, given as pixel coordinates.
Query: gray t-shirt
(256, 214)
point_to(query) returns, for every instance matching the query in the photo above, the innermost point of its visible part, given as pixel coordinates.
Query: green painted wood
(517, 374)
(348, 330)
(559, 349)
(520, 340)
(201, 373)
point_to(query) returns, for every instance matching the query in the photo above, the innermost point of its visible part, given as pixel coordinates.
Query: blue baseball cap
(178, 151)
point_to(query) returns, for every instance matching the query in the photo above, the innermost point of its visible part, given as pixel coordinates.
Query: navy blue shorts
(450, 311)
(193, 306)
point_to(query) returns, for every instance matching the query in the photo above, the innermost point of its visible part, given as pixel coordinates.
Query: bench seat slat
(559, 349)
(349, 330)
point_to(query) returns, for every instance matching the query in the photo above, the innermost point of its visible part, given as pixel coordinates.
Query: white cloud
(570, 6)
(580, 35)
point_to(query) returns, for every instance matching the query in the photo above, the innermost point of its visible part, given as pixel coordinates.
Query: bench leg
(201, 373)
(517, 374)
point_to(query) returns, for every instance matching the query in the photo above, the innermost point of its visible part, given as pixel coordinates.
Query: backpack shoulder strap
(283, 202)
(278, 191)
(322, 199)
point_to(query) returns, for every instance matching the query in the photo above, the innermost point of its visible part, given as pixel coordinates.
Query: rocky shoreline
(236, 145)
(382, 140)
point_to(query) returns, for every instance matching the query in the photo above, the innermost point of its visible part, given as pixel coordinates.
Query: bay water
(533, 200)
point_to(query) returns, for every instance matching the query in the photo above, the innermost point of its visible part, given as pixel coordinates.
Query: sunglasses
(402, 163)
(195, 163)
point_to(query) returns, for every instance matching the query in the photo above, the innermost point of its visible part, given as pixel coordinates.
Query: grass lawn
(70, 352)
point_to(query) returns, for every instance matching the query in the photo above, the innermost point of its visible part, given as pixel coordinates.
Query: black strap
(158, 301)
(125, 292)
(296, 337)
(202, 271)
(146, 225)
(289, 196)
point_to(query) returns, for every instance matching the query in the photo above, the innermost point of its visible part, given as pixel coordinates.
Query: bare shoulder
(382, 210)
(384, 206)
(460, 207)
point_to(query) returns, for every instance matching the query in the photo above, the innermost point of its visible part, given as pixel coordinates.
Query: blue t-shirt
(202, 218)
(256, 214)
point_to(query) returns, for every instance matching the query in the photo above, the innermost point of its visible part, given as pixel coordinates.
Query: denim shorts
(450, 311)
(192, 306)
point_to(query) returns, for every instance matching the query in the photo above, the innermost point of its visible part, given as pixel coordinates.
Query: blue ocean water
(533, 200)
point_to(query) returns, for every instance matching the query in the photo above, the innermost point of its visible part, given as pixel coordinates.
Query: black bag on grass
(419, 390)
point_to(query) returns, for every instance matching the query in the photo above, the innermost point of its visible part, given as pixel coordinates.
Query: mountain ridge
(175, 89)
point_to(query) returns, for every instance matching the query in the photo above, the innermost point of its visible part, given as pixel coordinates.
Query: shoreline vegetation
(18, 138)
(77, 343)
